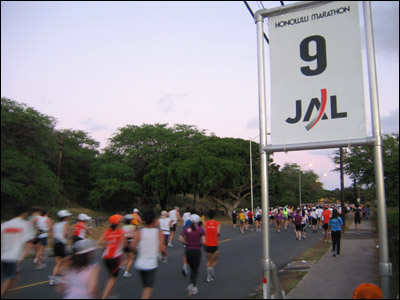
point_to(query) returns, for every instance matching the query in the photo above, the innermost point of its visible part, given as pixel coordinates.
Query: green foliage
(359, 165)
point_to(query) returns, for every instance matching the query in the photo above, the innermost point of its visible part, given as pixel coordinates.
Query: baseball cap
(136, 210)
(84, 217)
(63, 213)
(84, 246)
(115, 219)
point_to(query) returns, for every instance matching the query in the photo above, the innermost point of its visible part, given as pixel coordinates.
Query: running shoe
(52, 280)
(127, 274)
(209, 278)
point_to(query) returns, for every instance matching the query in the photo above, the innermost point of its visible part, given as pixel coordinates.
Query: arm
(182, 239)
(136, 238)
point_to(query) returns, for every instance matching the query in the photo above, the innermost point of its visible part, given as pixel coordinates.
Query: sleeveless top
(114, 240)
(148, 249)
(42, 226)
(80, 229)
(58, 232)
(211, 227)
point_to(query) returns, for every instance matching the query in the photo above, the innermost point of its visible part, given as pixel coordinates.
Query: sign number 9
(319, 56)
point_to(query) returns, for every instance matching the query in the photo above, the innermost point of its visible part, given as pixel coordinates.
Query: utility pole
(60, 142)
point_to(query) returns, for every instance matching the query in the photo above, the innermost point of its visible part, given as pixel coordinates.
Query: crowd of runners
(140, 242)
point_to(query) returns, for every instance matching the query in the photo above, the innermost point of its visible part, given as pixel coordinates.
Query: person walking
(15, 233)
(278, 220)
(60, 240)
(314, 220)
(193, 237)
(357, 219)
(149, 242)
(336, 226)
(298, 218)
(213, 231)
(258, 219)
(114, 240)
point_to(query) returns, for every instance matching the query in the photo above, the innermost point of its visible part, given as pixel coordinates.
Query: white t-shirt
(14, 234)
(164, 225)
(173, 216)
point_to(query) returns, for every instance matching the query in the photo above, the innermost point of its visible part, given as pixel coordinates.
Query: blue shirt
(336, 224)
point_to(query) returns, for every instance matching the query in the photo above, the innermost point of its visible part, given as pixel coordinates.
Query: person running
(357, 219)
(304, 222)
(60, 240)
(258, 219)
(175, 216)
(319, 212)
(250, 219)
(149, 242)
(213, 231)
(32, 245)
(80, 280)
(129, 230)
(278, 220)
(136, 220)
(325, 220)
(336, 227)
(81, 228)
(165, 224)
(193, 237)
(43, 223)
(242, 219)
(285, 213)
(114, 240)
(234, 219)
(314, 219)
(15, 233)
(298, 218)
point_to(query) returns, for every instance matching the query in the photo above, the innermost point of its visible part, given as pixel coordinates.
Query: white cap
(84, 217)
(135, 210)
(195, 218)
(63, 213)
(128, 217)
(84, 246)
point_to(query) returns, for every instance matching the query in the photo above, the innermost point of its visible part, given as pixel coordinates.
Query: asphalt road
(238, 273)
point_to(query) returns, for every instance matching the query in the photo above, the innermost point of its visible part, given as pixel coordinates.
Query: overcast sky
(99, 66)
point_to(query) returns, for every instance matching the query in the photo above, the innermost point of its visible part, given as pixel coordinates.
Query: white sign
(316, 75)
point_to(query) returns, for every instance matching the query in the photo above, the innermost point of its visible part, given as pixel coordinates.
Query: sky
(99, 66)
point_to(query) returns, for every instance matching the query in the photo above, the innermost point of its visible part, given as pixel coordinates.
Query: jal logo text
(320, 106)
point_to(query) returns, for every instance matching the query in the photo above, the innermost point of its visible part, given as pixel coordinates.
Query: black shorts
(211, 249)
(325, 226)
(251, 221)
(59, 249)
(299, 227)
(357, 221)
(148, 277)
(314, 221)
(9, 269)
(113, 265)
(173, 227)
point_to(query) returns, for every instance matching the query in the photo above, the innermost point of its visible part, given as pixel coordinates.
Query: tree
(28, 155)
(359, 166)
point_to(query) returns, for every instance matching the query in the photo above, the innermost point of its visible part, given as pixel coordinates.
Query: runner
(251, 220)
(149, 242)
(213, 231)
(357, 219)
(175, 216)
(129, 230)
(43, 223)
(297, 221)
(314, 220)
(80, 281)
(165, 226)
(81, 228)
(278, 220)
(193, 238)
(60, 239)
(304, 214)
(115, 241)
(258, 219)
(136, 220)
(15, 233)
(319, 212)
(325, 220)
(234, 219)
(242, 219)
(285, 213)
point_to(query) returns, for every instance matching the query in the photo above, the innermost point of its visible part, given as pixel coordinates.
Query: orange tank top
(114, 243)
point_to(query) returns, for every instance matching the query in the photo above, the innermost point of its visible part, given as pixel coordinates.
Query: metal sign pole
(384, 264)
(266, 262)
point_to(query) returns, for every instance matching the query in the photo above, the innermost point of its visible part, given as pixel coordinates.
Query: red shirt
(114, 240)
(326, 214)
(211, 227)
(80, 229)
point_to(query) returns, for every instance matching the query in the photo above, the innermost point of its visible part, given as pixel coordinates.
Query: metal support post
(384, 264)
